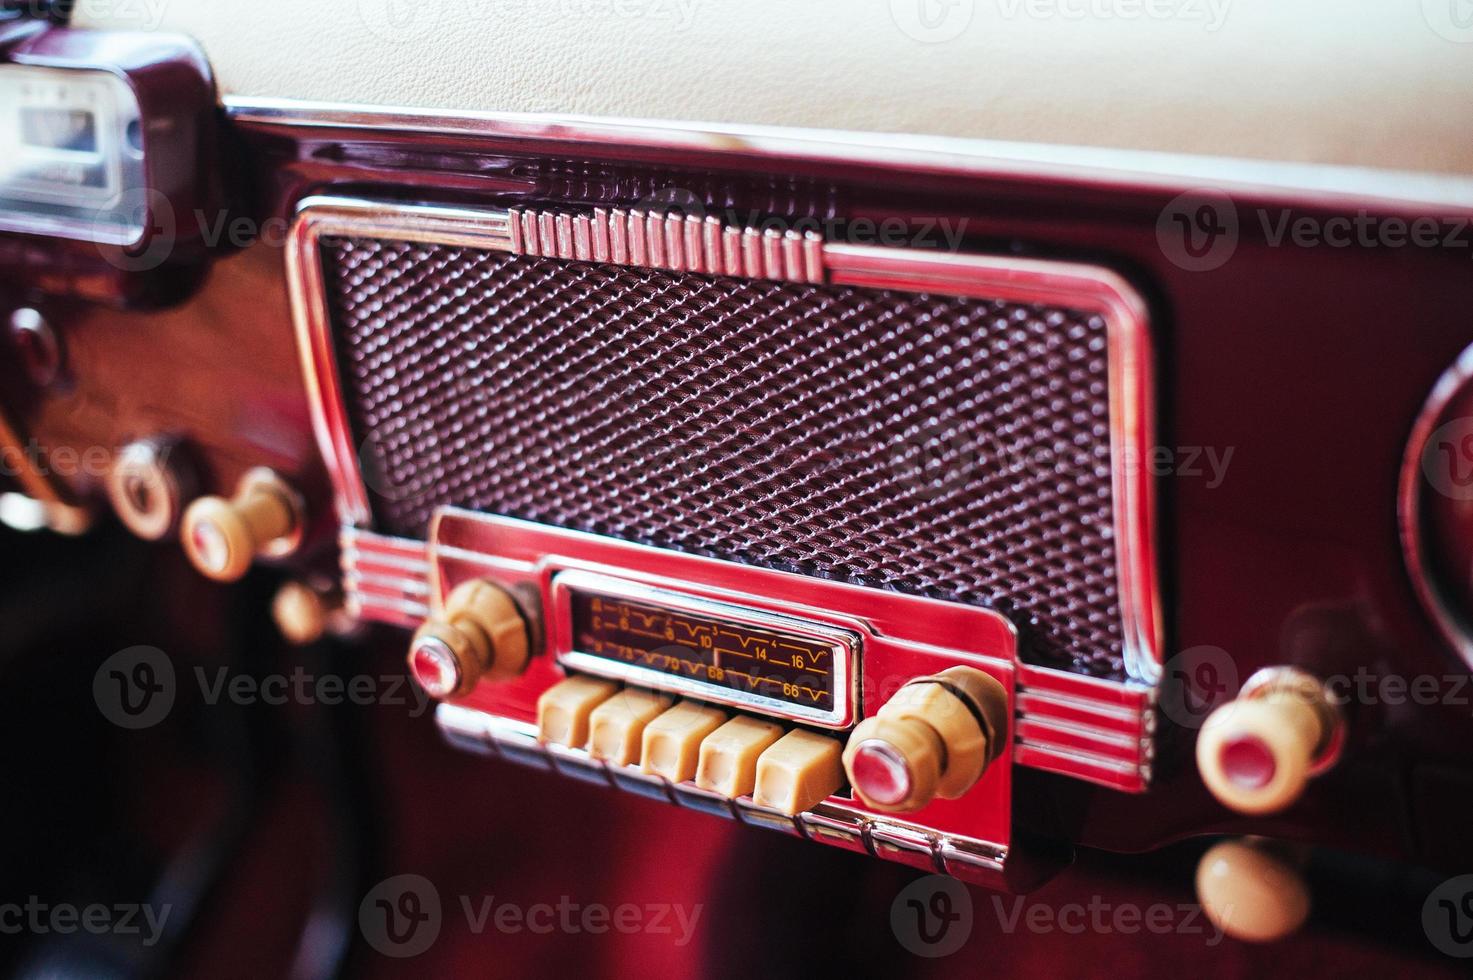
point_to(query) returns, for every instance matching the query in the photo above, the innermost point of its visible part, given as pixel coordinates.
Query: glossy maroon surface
(1306, 364)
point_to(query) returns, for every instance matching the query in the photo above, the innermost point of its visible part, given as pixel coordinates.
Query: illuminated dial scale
(721, 652)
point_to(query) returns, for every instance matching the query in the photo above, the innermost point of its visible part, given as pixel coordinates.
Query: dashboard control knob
(264, 518)
(934, 738)
(1250, 892)
(1258, 752)
(148, 484)
(304, 612)
(481, 632)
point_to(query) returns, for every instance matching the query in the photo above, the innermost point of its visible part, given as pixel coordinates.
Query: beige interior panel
(1375, 84)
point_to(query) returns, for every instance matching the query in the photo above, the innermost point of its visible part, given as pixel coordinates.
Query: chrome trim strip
(320, 216)
(881, 836)
(1282, 182)
(672, 241)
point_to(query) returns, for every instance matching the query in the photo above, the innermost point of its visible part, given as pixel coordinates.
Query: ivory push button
(672, 742)
(798, 772)
(616, 728)
(563, 710)
(1258, 752)
(728, 757)
(222, 537)
(934, 738)
(480, 632)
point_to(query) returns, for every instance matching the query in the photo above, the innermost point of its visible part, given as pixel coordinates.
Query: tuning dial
(264, 518)
(1258, 752)
(481, 633)
(934, 738)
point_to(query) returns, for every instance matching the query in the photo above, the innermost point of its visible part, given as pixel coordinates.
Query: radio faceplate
(899, 638)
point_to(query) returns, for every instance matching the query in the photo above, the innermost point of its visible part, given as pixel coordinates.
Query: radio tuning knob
(1258, 752)
(222, 537)
(934, 738)
(481, 632)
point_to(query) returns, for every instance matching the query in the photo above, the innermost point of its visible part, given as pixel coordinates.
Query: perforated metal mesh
(954, 448)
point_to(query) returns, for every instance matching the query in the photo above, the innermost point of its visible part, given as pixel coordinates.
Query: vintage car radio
(818, 536)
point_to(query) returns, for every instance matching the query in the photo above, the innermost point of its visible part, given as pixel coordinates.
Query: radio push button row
(1258, 752)
(564, 709)
(616, 727)
(222, 537)
(798, 772)
(728, 759)
(935, 737)
(480, 633)
(672, 742)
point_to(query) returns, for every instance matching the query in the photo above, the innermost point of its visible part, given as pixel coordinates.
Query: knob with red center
(264, 519)
(934, 738)
(480, 632)
(1258, 752)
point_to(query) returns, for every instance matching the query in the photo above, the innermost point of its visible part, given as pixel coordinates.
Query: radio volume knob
(934, 738)
(1258, 752)
(482, 632)
(222, 537)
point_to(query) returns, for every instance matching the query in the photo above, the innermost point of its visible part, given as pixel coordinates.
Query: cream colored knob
(1250, 893)
(148, 484)
(1257, 753)
(481, 633)
(934, 738)
(222, 537)
(303, 613)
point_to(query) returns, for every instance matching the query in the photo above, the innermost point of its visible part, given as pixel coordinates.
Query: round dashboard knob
(222, 537)
(1250, 892)
(934, 738)
(1257, 753)
(481, 632)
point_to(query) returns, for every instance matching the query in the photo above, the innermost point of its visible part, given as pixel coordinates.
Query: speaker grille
(941, 446)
